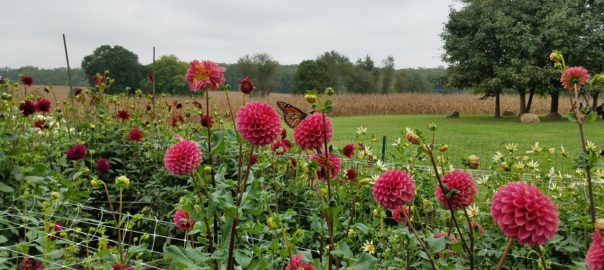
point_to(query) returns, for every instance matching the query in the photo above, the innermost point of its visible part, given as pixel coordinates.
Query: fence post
(383, 148)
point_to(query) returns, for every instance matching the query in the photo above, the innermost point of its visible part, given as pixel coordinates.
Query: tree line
(330, 69)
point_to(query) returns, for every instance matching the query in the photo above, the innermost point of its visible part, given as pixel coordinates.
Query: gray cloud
(223, 31)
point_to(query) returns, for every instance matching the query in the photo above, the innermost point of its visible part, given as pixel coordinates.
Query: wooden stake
(68, 70)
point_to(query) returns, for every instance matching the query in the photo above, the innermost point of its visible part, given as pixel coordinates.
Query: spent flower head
(122, 182)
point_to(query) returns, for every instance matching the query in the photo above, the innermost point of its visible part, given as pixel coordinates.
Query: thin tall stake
(153, 81)
(68, 70)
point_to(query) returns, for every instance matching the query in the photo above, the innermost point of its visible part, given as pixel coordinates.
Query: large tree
(170, 75)
(494, 46)
(262, 69)
(310, 76)
(122, 64)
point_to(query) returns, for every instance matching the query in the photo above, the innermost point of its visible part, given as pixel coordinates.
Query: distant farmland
(373, 104)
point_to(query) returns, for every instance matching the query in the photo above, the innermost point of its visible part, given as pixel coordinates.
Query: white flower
(519, 165)
(533, 165)
(552, 173)
(361, 130)
(374, 178)
(512, 147)
(397, 142)
(580, 172)
(483, 180)
(369, 247)
(552, 151)
(473, 210)
(497, 157)
(591, 146)
(381, 166)
(563, 151)
(599, 173)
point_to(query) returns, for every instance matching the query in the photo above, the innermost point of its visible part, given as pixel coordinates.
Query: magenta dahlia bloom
(76, 152)
(393, 189)
(283, 134)
(43, 105)
(182, 220)
(296, 262)
(595, 255)
(177, 118)
(574, 76)
(57, 229)
(136, 135)
(246, 85)
(182, 158)
(524, 214)
(28, 107)
(121, 267)
(258, 123)
(204, 75)
(309, 133)
(103, 165)
(463, 183)
(348, 150)
(334, 165)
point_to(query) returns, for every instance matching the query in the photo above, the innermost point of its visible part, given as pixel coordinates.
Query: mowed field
(374, 104)
(476, 132)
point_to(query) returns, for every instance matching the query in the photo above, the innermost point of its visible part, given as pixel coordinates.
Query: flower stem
(419, 240)
(231, 258)
(210, 247)
(471, 253)
(505, 254)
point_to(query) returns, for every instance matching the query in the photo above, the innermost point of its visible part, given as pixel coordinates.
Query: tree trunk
(497, 106)
(553, 108)
(594, 96)
(522, 96)
(530, 100)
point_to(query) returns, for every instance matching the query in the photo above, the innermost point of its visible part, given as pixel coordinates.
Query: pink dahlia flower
(393, 189)
(595, 255)
(183, 158)
(204, 75)
(296, 262)
(309, 133)
(207, 121)
(121, 267)
(348, 150)
(574, 76)
(258, 123)
(76, 152)
(524, 214)
(401, 214)
(103, 165)
(461, 181)
(182, 220)
(334, 165)
(43, 105)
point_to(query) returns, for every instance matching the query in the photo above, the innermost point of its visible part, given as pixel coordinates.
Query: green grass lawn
(472, 134)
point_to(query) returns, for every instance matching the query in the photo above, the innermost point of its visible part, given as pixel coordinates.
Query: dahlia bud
(329, 91)
(432, 127)
(55, 195)
(6, 96)
(271, 223)
(505, 166)
(207, 169)
(412, 137)
(443, 148)
(311, 98)
(555, 56)
(246, 85)
(364, 181)
(600, 226)
(95, 182)
(122, 181)
(473, 161)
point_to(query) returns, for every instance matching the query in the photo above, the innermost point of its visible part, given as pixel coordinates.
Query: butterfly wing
(291, 115)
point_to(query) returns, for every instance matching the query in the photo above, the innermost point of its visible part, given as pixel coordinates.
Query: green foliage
(122, 63)
(53, 76)
(170, 75)
(262, 69)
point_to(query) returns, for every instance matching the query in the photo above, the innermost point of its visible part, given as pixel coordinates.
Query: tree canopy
(122, 64)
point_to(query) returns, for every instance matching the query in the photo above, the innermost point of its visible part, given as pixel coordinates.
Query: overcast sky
(224, 30)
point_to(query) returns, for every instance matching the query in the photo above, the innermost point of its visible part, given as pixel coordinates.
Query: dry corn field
(370, 104)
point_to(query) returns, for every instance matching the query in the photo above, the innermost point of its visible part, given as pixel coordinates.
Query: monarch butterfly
(291, 115)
